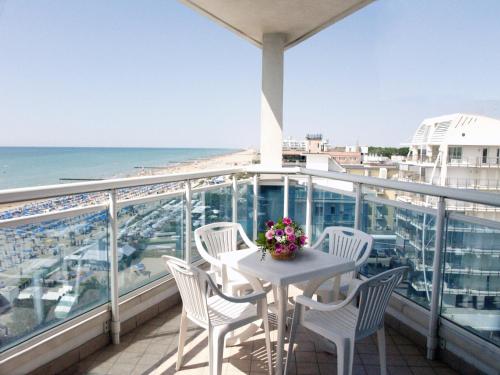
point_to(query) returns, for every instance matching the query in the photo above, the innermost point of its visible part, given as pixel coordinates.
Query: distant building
(460, 151)
(315, 144)
(295, 151)
(290, 144)
(346, 157)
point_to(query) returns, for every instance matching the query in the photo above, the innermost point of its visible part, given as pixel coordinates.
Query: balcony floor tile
(152, 349)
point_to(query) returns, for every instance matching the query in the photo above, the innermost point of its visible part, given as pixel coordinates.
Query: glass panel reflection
(146, 232)
(51, 272)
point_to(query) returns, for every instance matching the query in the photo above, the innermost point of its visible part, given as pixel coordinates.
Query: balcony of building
(91, 294)
(83, 287)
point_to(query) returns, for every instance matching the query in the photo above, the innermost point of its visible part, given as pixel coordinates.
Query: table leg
(280, 341)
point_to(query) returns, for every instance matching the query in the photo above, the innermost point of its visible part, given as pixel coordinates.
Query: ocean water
(34, 166)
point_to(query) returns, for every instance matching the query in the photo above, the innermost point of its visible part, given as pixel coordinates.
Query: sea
(35, 166)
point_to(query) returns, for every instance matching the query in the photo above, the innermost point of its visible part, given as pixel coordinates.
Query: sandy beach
(240, 158)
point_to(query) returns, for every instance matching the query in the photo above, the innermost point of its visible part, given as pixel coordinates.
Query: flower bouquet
(282, 239)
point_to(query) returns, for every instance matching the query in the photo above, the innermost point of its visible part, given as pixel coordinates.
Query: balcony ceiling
(297, 19)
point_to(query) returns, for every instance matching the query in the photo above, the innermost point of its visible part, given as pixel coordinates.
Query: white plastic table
(308, 265)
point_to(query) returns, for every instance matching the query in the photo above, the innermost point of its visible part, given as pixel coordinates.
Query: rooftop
(458, 129)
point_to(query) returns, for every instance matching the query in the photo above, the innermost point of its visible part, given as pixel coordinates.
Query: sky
(127, 73)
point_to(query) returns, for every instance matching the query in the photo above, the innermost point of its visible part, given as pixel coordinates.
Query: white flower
(280, 239)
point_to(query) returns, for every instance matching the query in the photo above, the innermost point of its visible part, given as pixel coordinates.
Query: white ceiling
(297, 19)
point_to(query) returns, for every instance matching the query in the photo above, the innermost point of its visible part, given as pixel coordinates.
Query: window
(455, 153)
(485, 155)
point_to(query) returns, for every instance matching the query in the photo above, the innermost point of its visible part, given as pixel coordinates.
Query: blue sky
(155, 73)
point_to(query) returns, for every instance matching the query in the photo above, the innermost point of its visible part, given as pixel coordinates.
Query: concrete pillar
(271, 117)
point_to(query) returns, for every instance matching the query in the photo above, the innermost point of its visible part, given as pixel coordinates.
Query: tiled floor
(152, 348)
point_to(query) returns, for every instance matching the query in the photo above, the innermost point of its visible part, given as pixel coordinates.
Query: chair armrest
(353, 285)
(252, 297)
(315, 305)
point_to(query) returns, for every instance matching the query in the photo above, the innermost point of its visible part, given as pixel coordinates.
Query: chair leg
(265, 321)
(381, 351)
(182, 339)
(345, 356)
(216, 351)
(291, 340)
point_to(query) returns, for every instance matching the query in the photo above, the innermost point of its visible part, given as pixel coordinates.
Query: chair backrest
(192, 284)
(347, 243)
(374, 295)
(216, 238)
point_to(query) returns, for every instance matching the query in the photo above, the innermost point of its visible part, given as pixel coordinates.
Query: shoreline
(237, 158)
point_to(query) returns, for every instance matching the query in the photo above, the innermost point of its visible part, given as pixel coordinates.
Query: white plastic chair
(218, 313)
(360, 315)
(217, 238)
(346, 243)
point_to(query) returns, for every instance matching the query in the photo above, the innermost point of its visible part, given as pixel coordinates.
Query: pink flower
(287, 221)
(285, 250)
(278, 248)
(291, 237)
(270, 234)
(302, 240)
(289, 230)
(292, 247)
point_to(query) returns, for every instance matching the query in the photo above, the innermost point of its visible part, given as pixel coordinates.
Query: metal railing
(479, 161)
(311, 179)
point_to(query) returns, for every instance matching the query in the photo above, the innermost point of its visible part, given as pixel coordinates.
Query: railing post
(432, 336)
(113, 257)
(235, 200)
(286, 186)
(187, 255)
(255, 205)
(309, 203)
(358, 207)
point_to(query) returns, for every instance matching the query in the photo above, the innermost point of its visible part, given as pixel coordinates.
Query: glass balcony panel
(471, 278)
(245, 207)
(210, 207)
(50, 272)
(270, 204)
(331, 209)
(297, 196)
(146, 231)
(402, 237)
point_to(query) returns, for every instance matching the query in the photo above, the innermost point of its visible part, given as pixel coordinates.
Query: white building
(461, 151)
(456, 150)
(290, 144)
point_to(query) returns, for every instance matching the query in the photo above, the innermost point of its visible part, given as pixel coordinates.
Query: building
(460, 151)
(295, 151)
